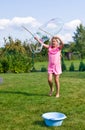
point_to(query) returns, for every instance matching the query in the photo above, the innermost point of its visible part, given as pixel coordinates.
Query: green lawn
(24, 98)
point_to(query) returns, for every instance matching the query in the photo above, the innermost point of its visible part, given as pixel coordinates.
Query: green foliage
(43, 69)
(72, 68)
(12, 47)
(16, 63)
(16, 58)
(79, 38)
(81, 66)
(5, 65)
(1, 69)
(63, 65)
(34, 69)
(78, 45)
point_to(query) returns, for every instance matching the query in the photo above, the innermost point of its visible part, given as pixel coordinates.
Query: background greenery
(16, 57)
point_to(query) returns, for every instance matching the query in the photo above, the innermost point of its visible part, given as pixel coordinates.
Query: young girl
(54, 62)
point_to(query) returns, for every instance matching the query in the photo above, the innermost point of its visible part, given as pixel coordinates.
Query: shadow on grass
(40, 123)
(22, 93)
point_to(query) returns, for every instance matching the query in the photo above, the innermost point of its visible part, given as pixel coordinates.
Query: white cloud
(68, 30)
(66, 37)
(72, 24)
(13, 27)
(18, 21)
(4, 23)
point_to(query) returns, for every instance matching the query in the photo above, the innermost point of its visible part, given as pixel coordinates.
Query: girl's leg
(57, 83)
(50, 84)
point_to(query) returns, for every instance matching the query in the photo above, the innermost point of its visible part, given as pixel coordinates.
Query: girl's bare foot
(57, 95)
(50, 94)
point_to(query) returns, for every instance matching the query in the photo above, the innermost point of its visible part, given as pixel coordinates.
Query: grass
(24, 98)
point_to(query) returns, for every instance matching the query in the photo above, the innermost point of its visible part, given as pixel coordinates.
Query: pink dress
(54, 65)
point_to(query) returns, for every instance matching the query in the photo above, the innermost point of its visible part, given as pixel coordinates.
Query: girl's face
(54, 42)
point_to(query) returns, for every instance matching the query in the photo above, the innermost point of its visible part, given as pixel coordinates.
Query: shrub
(71, 68)
(33, 69)
(43, 69)
(81, 66)
(63, 65)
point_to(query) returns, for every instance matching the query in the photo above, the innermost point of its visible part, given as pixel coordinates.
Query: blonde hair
(54, 37)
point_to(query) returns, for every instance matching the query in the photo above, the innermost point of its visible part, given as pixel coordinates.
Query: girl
(54, 62)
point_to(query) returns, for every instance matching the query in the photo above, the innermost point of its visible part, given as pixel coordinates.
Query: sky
(33, 13)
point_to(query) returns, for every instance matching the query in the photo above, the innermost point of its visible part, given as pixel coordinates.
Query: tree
(79, 39)
(12, 46)
(16, 57)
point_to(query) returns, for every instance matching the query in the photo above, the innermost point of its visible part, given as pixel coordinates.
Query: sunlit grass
(24, 98)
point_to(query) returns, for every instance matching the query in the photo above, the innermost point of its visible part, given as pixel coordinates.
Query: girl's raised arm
(61, 43)
(41, 42)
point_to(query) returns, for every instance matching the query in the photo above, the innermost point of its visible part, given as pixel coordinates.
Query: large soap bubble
(52, 27)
